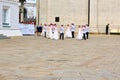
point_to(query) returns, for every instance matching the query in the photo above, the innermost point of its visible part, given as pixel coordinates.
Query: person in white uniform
(73, 30)
(87, 31)
(62, 32)
(44, 31)
(84, 32)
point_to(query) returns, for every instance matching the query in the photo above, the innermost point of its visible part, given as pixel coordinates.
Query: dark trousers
(84, 36)
(87, 33)
(62, 36)
(73, 34)
(45, 34)
(106, 31)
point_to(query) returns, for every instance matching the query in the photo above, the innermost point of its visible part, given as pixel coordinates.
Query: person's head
(84, 26)
(51, 24)
(72, 23)
(55, 25)
(61, 25)
(45, 24)
(79, 26)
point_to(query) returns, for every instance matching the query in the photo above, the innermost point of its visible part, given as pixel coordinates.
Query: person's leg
(45, 34)
(62, 36)
(72, 34)
(38, 33)
(87, 35)
(84, 37)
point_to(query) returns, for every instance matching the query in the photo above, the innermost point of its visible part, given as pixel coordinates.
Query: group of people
(52, 31)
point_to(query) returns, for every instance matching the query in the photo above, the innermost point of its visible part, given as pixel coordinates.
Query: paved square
(38, 58)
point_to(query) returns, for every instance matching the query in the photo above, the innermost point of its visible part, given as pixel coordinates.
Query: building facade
(96, 13)
(30, 6)
(9, 18)
(29, 11)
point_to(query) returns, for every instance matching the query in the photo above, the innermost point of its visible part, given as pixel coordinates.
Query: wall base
(9, 33)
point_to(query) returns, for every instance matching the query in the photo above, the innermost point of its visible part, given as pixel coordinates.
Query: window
(57, 19)
(5, 16)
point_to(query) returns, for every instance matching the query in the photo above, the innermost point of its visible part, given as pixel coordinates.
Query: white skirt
(55, 35)
(68, 34)
(80, 35)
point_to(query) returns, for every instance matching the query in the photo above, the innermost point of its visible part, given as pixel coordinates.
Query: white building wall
(30, 5)
(13, 30)
(14, 16)
(43, 12)
(109, 12)
(69, 11)
(94, 16)
(0, 14)
(102, 12)
(31, 1)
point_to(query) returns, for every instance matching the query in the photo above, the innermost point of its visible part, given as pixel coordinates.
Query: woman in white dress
(49, 33)
(80, 33)
(68, 33)
(55, 35)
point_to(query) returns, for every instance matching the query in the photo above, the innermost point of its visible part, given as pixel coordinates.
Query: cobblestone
(38, 58)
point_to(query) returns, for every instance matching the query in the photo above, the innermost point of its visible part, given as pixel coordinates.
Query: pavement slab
(39, 58)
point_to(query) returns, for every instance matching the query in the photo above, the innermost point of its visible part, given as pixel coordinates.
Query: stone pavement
(38, 58)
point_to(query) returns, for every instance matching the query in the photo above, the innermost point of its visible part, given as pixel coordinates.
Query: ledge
(6, 26)
(115, 31)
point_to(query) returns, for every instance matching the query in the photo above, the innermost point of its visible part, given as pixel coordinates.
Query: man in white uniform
(62, 32)
(73, 30)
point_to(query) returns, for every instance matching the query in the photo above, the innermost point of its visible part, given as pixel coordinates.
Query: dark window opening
(57, 19)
